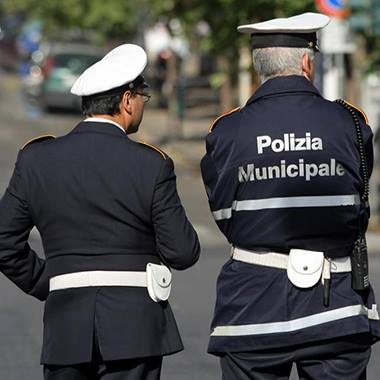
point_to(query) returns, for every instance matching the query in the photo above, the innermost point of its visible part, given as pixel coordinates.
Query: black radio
(359, 265)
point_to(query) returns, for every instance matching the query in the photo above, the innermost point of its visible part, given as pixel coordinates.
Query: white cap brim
(304, 23)
(120, 66)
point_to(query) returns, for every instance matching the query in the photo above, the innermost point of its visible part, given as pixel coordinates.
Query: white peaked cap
(303, 23)
(120, 66)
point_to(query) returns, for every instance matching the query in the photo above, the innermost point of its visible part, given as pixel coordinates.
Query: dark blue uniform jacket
(100, 202)
(283, 172)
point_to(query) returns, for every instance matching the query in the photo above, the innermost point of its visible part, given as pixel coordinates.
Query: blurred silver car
(60, 70)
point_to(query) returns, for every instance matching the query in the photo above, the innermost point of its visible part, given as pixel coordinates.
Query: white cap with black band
(297, 31)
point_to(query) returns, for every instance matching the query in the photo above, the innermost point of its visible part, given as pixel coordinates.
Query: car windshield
(76, 63)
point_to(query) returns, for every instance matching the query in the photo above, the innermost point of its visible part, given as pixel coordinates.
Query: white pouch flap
(159, 281)
(304, 267)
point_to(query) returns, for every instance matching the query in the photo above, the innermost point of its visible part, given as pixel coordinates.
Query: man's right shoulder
(153, 150)
(223, 118)
(36, 140)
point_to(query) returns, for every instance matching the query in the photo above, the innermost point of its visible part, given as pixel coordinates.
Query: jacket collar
(284, 84)
(98, 127)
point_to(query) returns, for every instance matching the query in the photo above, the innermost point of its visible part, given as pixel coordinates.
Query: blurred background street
(198, 67)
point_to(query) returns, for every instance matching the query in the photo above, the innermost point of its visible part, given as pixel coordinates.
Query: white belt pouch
(159, 281)
(304, 267)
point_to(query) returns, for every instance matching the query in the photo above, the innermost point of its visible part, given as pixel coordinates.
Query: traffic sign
(335, 8)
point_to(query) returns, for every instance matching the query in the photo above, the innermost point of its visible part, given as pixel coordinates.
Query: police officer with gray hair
(111, 224)
(287, 181)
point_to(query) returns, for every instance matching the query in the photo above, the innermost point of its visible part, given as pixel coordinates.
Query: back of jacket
(96, 192)
(283, 172)
(100, 202)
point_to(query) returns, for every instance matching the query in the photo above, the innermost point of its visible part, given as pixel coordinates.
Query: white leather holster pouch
(305, 267)
(159, 281)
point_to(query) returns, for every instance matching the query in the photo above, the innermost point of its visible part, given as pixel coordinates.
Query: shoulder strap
(157, 149)
(362, 155)
(221, 116)
(37, 139)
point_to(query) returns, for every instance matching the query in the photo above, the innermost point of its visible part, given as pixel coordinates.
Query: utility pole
(336, 42)
(245, 76)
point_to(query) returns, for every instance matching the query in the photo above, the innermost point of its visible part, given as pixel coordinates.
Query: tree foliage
(113, 19)
(121, 18)
(223, 17)
(124, 20)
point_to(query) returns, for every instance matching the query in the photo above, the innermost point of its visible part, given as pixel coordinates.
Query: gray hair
(277, 61)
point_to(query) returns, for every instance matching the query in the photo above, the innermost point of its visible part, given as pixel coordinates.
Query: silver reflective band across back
(287, 202)
(296, 324)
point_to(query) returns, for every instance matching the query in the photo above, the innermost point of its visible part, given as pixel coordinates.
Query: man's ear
(307, 67)
(126, 101)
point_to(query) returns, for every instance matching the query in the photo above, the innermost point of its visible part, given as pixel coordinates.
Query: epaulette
(221, 116)
(163, 154)
(37, 139)
(359, 111)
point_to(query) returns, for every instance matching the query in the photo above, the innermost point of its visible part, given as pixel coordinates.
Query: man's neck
(112, 119)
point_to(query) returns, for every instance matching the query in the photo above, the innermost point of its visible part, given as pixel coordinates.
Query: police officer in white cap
(287, 181)
(109, 216)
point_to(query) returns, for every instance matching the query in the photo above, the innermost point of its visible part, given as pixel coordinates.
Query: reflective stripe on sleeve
(296, 324)
(287, 202)
(224, 213)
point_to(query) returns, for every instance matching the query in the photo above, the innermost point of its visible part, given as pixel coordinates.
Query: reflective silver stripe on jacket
(287, 202)
(296, 324)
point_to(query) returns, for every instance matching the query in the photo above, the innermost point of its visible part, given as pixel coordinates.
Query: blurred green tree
(122, 20)
(365, 21)
(113, 19)
(119, 20)
(223, 16)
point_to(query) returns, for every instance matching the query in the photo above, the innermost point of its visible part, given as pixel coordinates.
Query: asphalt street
(194, 290)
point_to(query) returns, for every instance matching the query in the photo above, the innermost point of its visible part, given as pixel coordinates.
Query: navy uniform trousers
(133, 369)
(147, 368)
(99, 369)
(336, 359)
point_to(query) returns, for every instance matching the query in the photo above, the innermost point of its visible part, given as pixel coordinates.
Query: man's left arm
(17, 260)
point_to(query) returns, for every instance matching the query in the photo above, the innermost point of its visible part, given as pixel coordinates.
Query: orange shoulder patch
(38, 139)
(221, 116)
(359, 110)
(163, 154)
